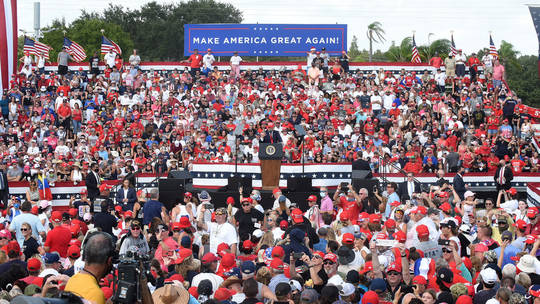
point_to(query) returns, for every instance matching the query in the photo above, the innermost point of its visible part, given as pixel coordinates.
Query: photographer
(98, 258)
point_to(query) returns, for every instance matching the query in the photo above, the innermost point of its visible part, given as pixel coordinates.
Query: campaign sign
(264, 39)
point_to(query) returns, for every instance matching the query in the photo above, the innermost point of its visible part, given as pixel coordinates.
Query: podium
(270, 155)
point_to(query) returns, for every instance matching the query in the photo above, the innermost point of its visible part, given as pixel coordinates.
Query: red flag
(8, 41)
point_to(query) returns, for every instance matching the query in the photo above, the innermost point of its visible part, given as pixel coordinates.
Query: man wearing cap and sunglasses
(134, 237)
(220, 231)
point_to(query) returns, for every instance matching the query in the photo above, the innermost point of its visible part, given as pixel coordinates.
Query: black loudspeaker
(299, 184)
(183, 174)
(361, 174)
(171, 191)
(369, 184)
(235, 182)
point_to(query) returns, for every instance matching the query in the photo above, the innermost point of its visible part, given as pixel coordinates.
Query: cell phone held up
(443, 242)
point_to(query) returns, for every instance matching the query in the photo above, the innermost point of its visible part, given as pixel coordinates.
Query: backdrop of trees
(157, 32)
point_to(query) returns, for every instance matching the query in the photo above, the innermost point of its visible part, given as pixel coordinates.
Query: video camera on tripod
(127, 285)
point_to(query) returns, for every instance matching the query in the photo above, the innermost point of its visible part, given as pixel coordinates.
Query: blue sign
(264, 39)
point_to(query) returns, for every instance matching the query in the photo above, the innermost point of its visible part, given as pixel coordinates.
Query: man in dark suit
(271, 135)
(408, 188)
(4, 187)
(459, 184)
(126, 196)
(503, 176)
(93, 181)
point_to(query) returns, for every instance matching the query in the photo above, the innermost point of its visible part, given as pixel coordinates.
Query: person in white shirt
(110, 58)
(208, 61)
(376, 103)
(460, 63)
(134, 59)
(220, 231)
(235, 65)
(310, 56)
(487, 62)
(388, 99)
(440, 80)
(41, 63)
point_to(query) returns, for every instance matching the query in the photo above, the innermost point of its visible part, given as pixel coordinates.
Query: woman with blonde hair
(186, 265)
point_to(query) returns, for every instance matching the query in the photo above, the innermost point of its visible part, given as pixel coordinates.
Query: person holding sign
(235, 65)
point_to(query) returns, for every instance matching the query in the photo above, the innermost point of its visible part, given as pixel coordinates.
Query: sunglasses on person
(135, 228)
(245, 205)
(24, 229)
(220, 213)
(393, 273)
(328, 263)
(446, 250)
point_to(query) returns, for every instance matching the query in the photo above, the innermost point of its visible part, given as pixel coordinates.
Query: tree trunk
(370, 46)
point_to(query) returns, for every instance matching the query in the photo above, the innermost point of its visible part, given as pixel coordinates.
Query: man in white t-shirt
(376, 103)
(310, 56)
(235, 65)
(109, 58)
(487, 62)
(208, 60)
(220, 232)
(388, 99)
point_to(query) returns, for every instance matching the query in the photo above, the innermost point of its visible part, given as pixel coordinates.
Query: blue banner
(264, 39)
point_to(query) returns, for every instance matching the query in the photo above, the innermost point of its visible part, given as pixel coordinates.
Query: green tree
(375, 33)
(508, 55)
(353, 50)
(401, 52)
(523, 79)
(157, 30)
(86, 31)
(440, 46)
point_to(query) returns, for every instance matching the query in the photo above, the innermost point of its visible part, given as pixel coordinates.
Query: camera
(127, 285)
(298, 255)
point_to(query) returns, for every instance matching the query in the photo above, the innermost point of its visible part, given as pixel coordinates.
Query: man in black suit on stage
(503, 176)
(4, 187)
(459, 184)
(93, 181)
(271, 135)
(408, 188)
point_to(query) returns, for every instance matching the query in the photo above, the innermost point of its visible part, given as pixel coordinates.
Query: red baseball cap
(209, 258)
(74, 252)
(183, 253)
(184, 222)
(230, 200)
(277, 263)
(481, 247)
(297, 215)
(393, 267)
(104, 187)
(512, 191)
(421, 210)
(72, 212)
(374, 218)
(521, 224)
(400, 236)
(222, 294)
(13, 246)
(276, 190)
(312, 198)
(368, 266)
(422, 230)
(390, 224)
(33, 264)
(84, 191)
(283, 224)
(247, 244)
(348, 238)
(445, 207)
(56, 216)
(221, 248)
(420, 280)
(278, 252)
(532, 212)
(118, 208)
(330, 256)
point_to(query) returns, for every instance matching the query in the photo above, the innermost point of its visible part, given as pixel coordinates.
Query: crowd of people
(400, 244)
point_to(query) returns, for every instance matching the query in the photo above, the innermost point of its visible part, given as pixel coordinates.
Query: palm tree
(375, 33)
(508, 54)
(401, 52)
(441, 46)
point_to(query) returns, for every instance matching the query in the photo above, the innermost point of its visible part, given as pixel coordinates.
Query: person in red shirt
(517, 164)
(64, 114)
(58, 238)
(473, 62)
(195, 61)
(436, 61)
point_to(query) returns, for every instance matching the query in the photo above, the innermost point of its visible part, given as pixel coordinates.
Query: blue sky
(471, 21)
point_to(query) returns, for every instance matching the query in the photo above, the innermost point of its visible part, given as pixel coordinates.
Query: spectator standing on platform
(134, 60)
(63, 61)
(235, 65)
(110, 59)
(208, 61)
(473, 62)
(436, 61)
(195, 62)
(461, 59)
(94, 65)
(450, 66)
(499, 74)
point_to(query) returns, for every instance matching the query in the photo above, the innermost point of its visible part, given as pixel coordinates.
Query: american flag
(415, 55)
(453, 49)
(36, 48)
(492, 49)
(74, 49)
(8, 41)
(107, 45)
(535, 14)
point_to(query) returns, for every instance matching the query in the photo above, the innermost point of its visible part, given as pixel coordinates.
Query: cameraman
(98, 259)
